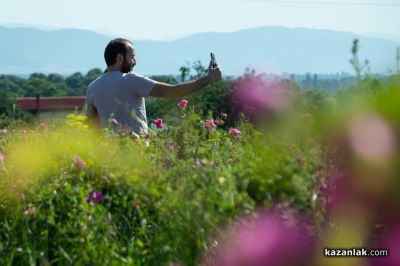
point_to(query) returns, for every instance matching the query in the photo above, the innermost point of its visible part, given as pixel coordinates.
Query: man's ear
(120, 58)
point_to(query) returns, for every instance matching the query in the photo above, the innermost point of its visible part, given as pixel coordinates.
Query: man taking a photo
(118, 95)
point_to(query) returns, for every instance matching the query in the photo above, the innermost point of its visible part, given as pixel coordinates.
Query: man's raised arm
(164, 90)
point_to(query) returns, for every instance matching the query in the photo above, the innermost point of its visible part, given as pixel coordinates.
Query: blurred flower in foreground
(23, 131)
(257, 97)
(391, 243)
(266, 240)
(79, 163)
(42, 126)
(96, 197)
(235, 132)
(2, 158)
(182, 104)
(371, 138)
(209, 125)
(158, 122)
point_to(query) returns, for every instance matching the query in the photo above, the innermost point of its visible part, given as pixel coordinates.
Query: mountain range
(272, 49)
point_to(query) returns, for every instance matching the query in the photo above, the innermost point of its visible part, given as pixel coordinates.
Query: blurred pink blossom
(266, 240)
(182, 104)
(2, 158)
(209, 125)
(158, 122)
(235, 132)
(79, 163)
(371, 138)
(255, 95)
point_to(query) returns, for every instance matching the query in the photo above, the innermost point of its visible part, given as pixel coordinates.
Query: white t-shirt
(121, 96)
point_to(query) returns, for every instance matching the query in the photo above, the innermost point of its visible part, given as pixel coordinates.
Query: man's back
(121, 96)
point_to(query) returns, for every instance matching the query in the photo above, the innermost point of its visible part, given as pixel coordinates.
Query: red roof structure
(50, 103)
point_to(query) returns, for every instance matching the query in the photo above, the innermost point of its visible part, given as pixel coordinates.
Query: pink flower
(182, 104)
(42, 126)
(235, 132)
(158, 122)
(3, 132)
(2, 157)
(114, 122)
(96, 197)
(209, 125)
(79, 163)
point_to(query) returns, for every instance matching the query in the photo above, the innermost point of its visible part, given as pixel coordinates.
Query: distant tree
(199, 69)
(56, 78)
(185, 71)
(37, 76)
(93, 74)
(164, 78)
(358, 68)
(398, 60)
(315, 81)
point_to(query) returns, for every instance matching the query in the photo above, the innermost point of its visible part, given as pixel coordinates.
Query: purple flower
(96, 197)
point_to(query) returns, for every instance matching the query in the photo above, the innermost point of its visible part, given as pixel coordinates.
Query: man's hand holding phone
(214, 72)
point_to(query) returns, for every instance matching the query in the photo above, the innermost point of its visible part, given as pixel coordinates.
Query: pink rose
(235, 132)
(79, 163)
(182, 104)
(158, 122)
(209, 125)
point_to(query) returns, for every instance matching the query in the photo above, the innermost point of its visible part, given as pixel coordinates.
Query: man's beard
(126, 67)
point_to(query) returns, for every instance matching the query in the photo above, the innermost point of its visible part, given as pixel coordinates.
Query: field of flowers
(293, 173)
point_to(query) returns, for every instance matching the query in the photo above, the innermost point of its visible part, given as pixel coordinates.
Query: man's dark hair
(114, 48)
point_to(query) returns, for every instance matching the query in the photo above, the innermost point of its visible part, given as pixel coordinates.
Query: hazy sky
(157, 19)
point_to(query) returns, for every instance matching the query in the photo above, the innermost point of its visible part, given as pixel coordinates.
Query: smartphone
(214, 63)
